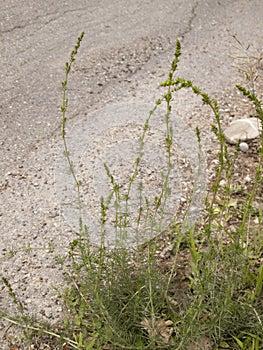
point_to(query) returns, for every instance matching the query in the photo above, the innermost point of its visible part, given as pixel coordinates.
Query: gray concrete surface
(125, 54)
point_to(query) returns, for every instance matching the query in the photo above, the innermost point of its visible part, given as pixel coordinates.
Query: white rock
(247, 178)
(242, 130)
(243, 146)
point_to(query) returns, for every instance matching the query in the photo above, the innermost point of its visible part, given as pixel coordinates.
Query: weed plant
(131, 299)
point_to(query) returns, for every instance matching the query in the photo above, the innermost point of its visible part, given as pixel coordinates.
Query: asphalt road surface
(36, 39)
(125, 54)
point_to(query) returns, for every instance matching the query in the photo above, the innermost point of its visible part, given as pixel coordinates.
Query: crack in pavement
(189, 25)
(42, 17)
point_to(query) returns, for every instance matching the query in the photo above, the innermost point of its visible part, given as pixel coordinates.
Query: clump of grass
(129, 305)
(247, 62)
(132, 299)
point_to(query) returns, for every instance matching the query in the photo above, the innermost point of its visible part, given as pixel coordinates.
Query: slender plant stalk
(64, 107)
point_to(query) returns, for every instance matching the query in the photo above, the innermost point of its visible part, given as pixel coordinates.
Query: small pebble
(243, 146)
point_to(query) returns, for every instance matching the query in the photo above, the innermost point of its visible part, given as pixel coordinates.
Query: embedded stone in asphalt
(242, 130)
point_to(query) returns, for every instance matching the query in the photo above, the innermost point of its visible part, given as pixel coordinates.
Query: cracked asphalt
(124, 55)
